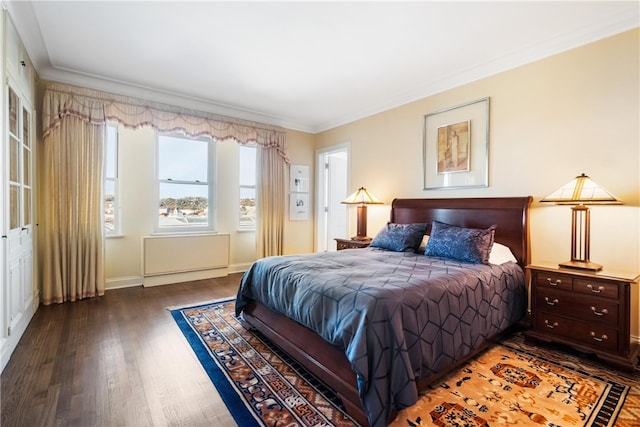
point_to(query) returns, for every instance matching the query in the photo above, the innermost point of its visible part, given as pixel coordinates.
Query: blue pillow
(463, 244)
(399, 237)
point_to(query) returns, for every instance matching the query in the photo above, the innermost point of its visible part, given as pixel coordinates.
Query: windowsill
(246, 230)
(114, 236)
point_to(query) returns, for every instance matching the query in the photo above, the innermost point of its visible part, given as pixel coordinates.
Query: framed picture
(456, 146)
(299, 206)
(299, 178)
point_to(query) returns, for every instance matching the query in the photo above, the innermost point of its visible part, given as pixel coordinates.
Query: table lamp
(581, 191)
(362, 198)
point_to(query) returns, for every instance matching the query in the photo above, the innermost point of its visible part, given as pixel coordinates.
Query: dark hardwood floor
(117, 360)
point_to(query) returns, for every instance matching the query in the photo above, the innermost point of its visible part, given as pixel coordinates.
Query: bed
(379, 324)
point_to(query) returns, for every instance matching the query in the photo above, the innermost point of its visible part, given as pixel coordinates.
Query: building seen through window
(247, 166)
(111, 202)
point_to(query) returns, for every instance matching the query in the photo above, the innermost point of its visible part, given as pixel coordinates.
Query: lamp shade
(582, 190)
(362, 197)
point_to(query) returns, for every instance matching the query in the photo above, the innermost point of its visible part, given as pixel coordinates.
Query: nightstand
(351, 244)
(587, 311)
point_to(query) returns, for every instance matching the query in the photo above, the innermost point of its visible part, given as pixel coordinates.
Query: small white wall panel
(181, 253)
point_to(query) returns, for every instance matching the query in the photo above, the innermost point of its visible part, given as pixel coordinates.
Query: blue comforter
(399, 316)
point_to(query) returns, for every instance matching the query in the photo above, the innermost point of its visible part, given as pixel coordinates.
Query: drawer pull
(554, 302)
(552, 282)
(553, 325)
(599, 339)
(599, 313)
(594, 290)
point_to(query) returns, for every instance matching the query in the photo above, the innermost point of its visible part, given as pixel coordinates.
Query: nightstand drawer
(595, 336)
(553, 301)
(566, 304)
(343, 245)
(595, 287)
(351, 244)
(598, 312)
(555, 281)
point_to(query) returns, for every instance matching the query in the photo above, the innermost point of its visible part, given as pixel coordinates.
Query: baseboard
(168, 279)
(123, 282)
(239, 268)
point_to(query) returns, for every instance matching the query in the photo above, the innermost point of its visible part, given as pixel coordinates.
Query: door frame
(320, 186)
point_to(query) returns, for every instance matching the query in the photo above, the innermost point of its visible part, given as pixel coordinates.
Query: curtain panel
(71, 205)
(73, 121)
(271, 209)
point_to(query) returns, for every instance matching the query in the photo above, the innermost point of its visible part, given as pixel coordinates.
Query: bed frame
(329, 363)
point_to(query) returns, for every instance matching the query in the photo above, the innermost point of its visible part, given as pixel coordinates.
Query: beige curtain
(271, 193)
(71, 211)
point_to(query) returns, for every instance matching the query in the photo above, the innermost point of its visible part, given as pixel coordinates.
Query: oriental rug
(510, 384)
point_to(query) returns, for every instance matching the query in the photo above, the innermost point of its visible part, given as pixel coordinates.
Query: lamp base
(581, 265)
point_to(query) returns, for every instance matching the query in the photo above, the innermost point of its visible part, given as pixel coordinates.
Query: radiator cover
(183, 253)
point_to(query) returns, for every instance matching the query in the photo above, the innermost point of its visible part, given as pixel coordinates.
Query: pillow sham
(399, 237)
(463, 244)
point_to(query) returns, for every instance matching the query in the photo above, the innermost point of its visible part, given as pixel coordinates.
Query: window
(185, 184)
(111, 197)
(247, 187)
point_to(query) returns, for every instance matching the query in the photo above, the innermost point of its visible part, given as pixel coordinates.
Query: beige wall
(298, 235)
(550, 121)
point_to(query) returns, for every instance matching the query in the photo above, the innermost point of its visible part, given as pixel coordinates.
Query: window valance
(99, 107)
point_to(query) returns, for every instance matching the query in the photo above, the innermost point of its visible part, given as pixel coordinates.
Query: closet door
(19, 291)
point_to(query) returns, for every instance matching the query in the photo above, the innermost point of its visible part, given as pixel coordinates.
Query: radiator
(184, 253)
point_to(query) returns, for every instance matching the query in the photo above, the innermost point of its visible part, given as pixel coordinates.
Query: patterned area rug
(510, 384)
(504, 386)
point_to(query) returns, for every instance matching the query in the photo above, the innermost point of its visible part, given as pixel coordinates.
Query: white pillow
(499, 254)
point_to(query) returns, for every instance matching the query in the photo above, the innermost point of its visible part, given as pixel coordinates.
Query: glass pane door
(26, 167)
(15, 148)
(20, 157)
(14, 206)
(13, 112)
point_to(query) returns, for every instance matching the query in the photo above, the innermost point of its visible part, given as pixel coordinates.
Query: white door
(19, 240)
(332, 167)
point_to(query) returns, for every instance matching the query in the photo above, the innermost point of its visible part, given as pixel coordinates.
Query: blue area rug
(259, 384)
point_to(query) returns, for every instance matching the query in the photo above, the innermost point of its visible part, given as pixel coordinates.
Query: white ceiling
(308, 66)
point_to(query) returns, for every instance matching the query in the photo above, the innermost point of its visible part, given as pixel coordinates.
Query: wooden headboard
(510, 214)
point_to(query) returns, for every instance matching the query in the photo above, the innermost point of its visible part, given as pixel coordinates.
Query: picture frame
(456, 146)
(299, 206)
(299, 178)
(299, 192)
